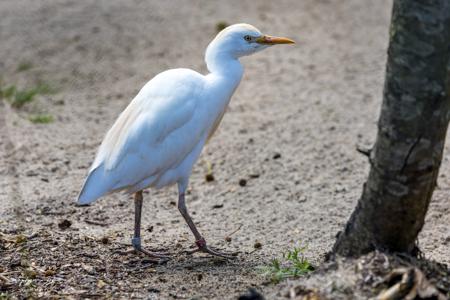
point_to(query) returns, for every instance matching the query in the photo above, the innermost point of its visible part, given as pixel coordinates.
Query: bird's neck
(224, 65)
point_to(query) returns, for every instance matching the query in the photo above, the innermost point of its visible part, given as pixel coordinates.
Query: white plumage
(159, 136)
(154, 139)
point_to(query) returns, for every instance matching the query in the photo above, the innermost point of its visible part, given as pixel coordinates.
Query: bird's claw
(154, 256)
(211, 251)
(202, 247)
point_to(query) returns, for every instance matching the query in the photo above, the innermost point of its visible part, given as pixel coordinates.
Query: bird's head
(243, 39)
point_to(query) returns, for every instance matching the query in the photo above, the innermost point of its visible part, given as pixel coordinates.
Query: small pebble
(257, 245)
(64, 224)
(251, 294)
(340, 188)
(242, 182)
(89, 269)
(31, 173)
(209, 177)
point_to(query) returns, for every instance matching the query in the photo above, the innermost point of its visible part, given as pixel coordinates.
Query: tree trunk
(407, 154)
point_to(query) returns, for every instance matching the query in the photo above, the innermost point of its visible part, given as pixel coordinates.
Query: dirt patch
(47, 263)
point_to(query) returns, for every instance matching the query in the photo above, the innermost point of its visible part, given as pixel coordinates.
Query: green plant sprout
(293, 264)
(24, 66)
(41, 118)
(19, 98)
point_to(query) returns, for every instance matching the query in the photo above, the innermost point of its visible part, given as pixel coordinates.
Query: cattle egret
(157, 139)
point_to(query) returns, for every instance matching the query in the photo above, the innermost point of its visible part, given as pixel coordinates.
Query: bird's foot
(156, 257)
(202, 247)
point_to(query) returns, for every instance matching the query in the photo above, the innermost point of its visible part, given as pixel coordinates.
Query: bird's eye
(247, 38)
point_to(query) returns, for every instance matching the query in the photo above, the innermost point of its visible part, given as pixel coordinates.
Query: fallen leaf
(408, 284)
(100, 283)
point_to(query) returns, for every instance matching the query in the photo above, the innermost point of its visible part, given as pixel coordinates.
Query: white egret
(157, 139)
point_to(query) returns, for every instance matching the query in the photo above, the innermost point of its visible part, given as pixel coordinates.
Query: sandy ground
(290, 132)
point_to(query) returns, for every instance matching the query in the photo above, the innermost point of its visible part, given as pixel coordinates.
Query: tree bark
(407, 154)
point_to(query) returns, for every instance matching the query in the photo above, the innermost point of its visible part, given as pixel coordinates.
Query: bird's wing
(155, 132)
(215, 125)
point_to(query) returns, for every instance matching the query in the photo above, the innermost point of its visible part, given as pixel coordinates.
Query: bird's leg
(199, 240)
(136, 241)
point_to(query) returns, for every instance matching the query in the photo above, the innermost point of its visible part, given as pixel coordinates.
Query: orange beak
(273, 40)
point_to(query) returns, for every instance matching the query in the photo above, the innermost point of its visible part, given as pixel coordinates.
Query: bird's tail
(93, 188)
